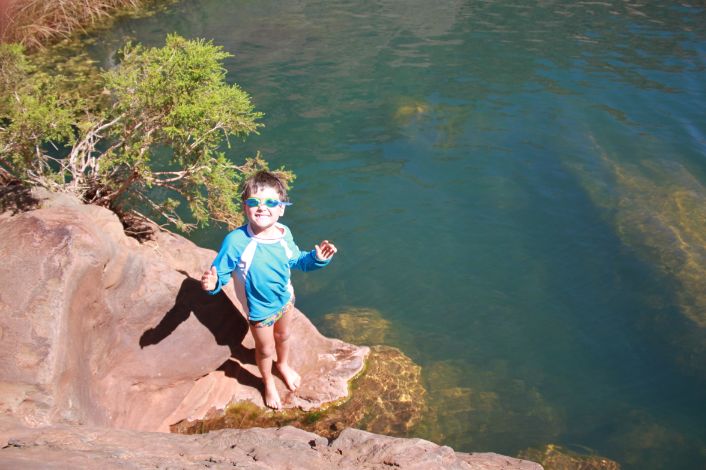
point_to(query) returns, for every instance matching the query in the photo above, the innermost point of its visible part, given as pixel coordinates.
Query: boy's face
(261, 218)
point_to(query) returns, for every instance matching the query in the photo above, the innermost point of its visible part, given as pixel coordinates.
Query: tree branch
(178, 175)
(170, 216)
(197, 142)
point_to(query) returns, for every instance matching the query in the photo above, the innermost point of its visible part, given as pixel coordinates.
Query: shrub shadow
(15, 198)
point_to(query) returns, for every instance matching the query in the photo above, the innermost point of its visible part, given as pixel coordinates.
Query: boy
(261, 254)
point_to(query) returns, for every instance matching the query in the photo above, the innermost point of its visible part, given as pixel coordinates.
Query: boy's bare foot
(290, 376)
(272, 399)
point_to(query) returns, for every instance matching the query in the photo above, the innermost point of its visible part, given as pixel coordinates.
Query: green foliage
(150, 140)
(33, 116)
(13, 66)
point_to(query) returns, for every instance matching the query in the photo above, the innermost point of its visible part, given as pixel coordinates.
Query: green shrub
(151, 140)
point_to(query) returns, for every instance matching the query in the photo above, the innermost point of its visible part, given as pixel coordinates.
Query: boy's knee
(266, 351)
(281, 336)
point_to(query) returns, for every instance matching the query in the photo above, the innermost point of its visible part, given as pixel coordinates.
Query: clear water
(517, 186)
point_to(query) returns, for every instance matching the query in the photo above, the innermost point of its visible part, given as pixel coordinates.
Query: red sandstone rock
(100, 329)
(62, 446)
(360, 449)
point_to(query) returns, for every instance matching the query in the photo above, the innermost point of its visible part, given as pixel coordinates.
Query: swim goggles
(269, 202)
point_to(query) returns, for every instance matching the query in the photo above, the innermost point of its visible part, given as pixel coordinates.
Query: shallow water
(517, 187)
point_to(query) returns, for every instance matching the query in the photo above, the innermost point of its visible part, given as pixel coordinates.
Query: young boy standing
(261, 254)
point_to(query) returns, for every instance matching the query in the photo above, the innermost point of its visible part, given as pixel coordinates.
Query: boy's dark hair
(264, 179)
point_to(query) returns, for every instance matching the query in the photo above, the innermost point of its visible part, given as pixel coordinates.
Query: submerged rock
(471, 406)
(357, 326)
(554, 457)
(658, 210)
(388, 398)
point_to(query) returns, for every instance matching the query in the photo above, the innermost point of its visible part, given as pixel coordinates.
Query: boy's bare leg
(264, 355)
(282, 340)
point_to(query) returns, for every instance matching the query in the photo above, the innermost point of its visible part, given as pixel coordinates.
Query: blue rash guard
(263, 267)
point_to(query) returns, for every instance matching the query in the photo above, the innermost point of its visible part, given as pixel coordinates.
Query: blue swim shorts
(272, 319)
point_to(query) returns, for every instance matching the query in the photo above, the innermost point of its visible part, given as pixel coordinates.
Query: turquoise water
(518, 187)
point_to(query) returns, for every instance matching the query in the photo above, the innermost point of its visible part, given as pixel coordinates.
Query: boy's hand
(209, 279)
(325, 250)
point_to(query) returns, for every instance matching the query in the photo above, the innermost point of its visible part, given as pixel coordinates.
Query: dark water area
(519, 188)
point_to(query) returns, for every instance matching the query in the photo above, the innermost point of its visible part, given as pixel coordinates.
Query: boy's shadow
(223, 320)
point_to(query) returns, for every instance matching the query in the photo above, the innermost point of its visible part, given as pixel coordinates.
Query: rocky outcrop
(100, 329)
(103, 338)
(62, 446)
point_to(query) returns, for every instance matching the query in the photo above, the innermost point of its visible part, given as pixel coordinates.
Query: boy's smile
(262, 219)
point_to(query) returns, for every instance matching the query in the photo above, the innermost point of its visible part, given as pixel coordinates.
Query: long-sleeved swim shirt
(263, 268)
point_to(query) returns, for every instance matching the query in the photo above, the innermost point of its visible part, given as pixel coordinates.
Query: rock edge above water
(66, 446)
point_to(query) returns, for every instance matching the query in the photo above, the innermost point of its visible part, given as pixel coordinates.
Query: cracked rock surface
(67, 446)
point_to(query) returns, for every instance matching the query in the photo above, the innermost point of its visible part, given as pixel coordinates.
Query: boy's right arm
(209, 279)
(222, 268)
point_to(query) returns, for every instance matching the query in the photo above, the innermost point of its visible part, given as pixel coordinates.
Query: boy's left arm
(325, 250)
(317, 258)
